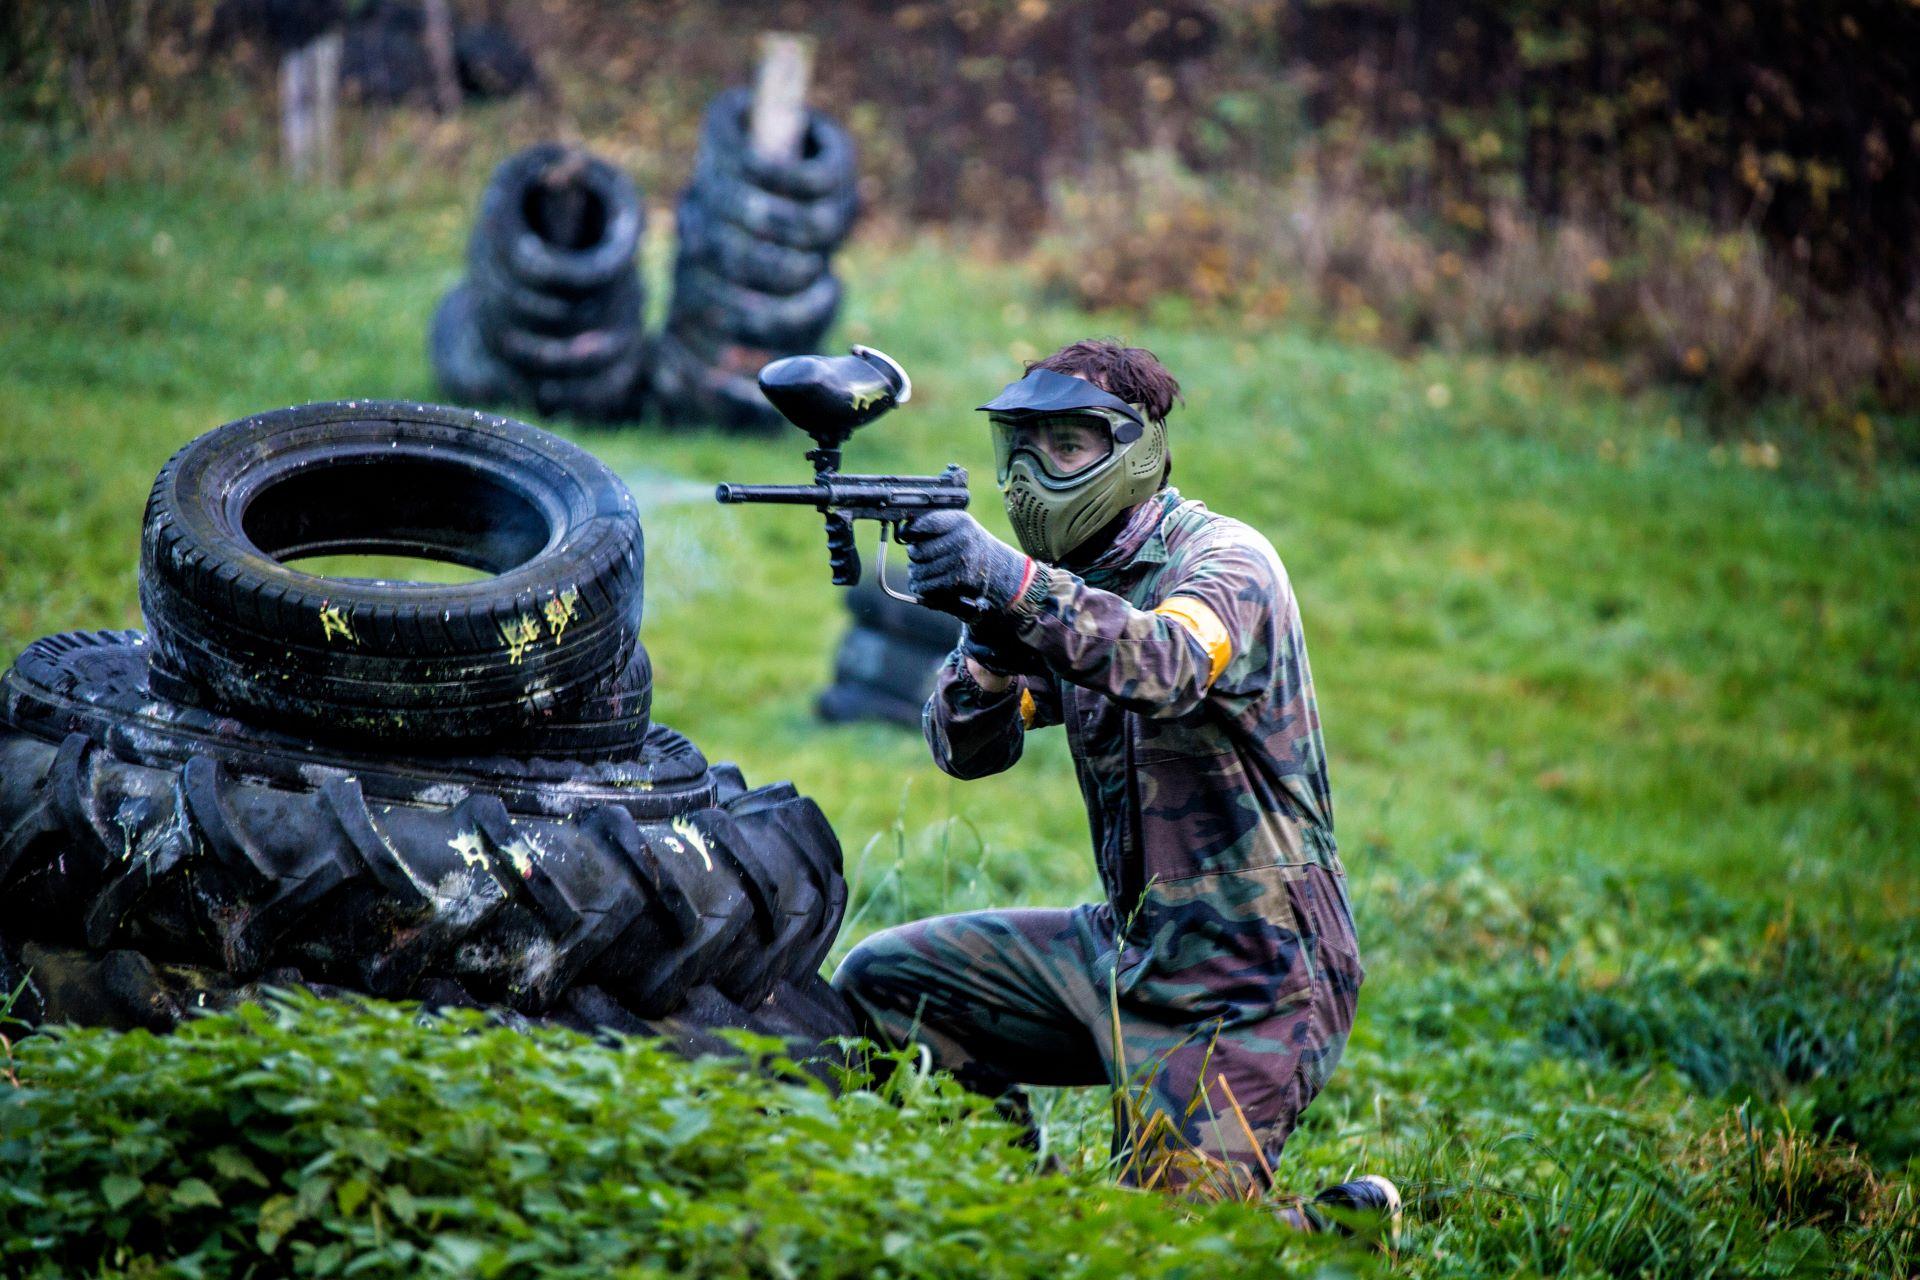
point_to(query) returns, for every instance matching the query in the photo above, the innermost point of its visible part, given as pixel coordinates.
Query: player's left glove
(956, 566)
(990, 641)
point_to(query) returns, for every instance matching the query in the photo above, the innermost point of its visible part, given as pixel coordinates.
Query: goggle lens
(1064, 445)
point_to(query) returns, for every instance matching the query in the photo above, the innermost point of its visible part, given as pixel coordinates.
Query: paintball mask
(1069, 458)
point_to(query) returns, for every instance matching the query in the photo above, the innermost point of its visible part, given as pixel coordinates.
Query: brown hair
(1134, 374)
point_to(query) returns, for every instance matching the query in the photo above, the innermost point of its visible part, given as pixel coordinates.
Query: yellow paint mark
(521, 854)
(519, 635)
(333, 622)
(699, 842)
(1205, 626)
(561, 610)
(472, 850)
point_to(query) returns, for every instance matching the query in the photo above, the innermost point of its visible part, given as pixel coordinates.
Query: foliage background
(1722, 195)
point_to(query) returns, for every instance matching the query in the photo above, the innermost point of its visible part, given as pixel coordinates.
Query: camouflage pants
(1005, 998)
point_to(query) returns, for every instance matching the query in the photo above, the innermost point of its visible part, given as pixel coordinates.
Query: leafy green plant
(315, 1138)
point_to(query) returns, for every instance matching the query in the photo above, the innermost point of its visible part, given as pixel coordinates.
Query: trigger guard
(880, 575)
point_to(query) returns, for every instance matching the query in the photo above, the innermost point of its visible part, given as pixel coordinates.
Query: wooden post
(296, 113)
(326, 103)
(309, 108)
(563, 204)
(440, 55)
(780, 95)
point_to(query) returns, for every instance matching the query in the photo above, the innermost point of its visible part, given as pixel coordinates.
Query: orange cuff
(1205, 626)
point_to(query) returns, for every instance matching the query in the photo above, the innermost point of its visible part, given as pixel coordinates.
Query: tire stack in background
(384, 58)
(887, 661)
(550, 315)
(752, 277)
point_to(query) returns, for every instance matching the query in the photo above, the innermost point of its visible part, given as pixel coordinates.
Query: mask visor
(1063, 446)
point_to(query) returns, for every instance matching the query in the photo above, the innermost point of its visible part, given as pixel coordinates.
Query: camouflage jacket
(1178, 667)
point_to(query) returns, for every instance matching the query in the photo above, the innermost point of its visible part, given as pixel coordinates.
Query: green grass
(1623, 731)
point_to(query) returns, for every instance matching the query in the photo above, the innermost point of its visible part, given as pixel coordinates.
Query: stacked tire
(753, 278)
(446, 793)
(550, 315)
(888, 660)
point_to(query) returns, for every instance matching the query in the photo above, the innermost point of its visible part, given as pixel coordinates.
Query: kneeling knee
(864, 973)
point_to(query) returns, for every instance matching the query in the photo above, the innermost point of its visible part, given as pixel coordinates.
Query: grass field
(1625, 732)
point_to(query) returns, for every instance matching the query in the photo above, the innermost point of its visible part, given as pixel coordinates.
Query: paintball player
(1166, 640)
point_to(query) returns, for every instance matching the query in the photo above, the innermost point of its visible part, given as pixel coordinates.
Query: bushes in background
(1727, 192)
(1663, 293)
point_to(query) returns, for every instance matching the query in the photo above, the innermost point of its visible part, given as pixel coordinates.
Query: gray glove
(957, 567)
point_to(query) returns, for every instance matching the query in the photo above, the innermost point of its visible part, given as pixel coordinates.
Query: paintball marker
(829, 397)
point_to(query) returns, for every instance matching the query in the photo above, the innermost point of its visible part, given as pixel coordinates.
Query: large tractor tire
(446, 793)
(153, 855)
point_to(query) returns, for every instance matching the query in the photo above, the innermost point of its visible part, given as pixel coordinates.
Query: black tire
(824, 167)
(807, 1013)
(492, 62)
(807, 1004)
(689, 389)
(817, 224)
(706, 301)
(101, 683)
(383, 58)
(721, 353)
(610, 724)
(467, 371)
(236, 629)
(500, 300)
(127, 824)
(615, 393)
(740, 259)
(887, 663)
(852, 703)
(592, 252)
(581, 353)
(917, 624)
